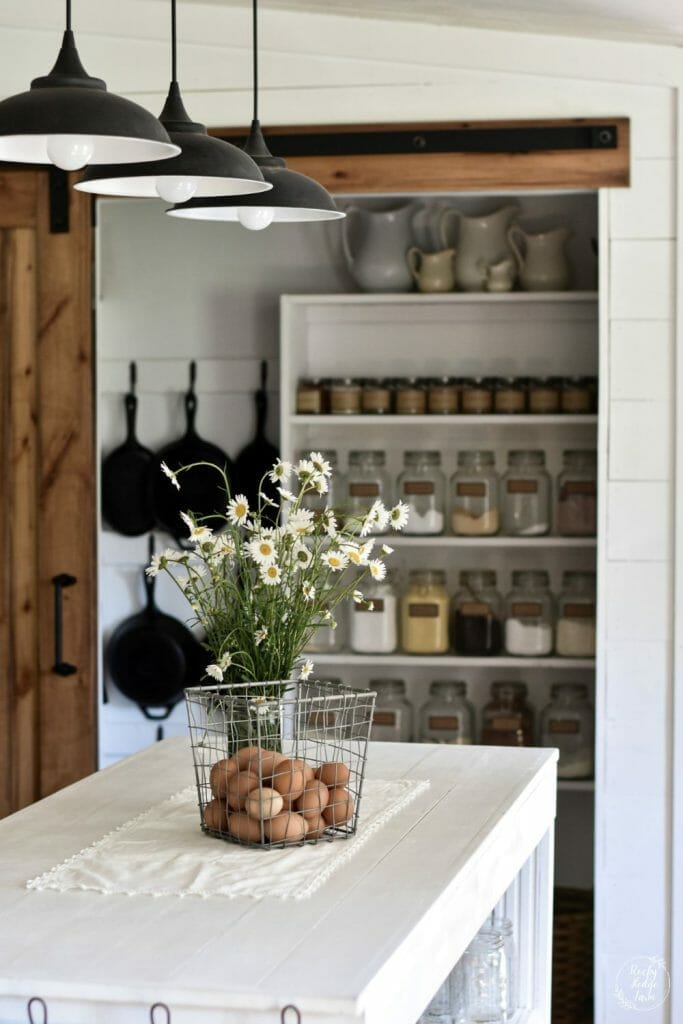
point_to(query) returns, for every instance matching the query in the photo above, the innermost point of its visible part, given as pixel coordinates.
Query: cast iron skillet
(201, 488)
(127, 478)
(259, 455)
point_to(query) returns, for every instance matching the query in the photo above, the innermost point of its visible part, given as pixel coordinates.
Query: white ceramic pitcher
(541, 258)
(433, 271)
(482, 240)
(375, 244)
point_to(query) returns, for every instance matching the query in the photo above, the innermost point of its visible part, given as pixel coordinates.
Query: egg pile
(264, 796)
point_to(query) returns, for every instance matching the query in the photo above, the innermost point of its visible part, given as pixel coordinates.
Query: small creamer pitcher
(432, 271)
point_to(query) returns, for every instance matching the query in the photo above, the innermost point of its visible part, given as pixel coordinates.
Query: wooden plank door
(47, 487)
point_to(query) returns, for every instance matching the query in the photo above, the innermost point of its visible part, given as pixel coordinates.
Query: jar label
(474, 608)
(522, 487)
(418, 487)
(526, 610)
(564, 725)
(423, 610)
(586, 487)
(361, 490)
(477, 401)
(508, 724)
(579, 611)
(451, 722)
(375, 604)
(309, 402)
(384, 718)
(471, 490)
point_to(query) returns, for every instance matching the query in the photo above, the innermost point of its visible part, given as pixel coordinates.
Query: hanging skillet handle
(149, 581)
(131, 402)
(191, 399)
(163, 713)
(38, 1002)
(262, 402)
(61, 667)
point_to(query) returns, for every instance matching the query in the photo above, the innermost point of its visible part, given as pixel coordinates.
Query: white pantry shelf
(444, 298)
(433, 420)
(450, 661)
(403, 540)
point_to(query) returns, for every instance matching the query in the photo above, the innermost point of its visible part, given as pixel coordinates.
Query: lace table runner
(163, 852)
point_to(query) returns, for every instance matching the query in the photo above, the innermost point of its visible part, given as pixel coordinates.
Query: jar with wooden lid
(567, 723)
(529, 615)
(410, 397)
(443, 396)
(422, 487)
(366, 482)
(526, 495)
(373, 625)
(447, 717)
(345, 396)
(393, 718)
(543, 396)
(424, 613)
(477, 615)
(577, 395)
(577, 494)
(476, 398)
(474, 495)
(575, 636)
(311, 395)
(508, 719)
(376, 398)
(510, 395)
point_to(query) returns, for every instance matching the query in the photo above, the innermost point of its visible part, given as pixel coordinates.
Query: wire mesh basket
(279, 763)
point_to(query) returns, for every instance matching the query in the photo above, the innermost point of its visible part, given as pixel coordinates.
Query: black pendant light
(68, 118)
(294, 197)
(204, 167)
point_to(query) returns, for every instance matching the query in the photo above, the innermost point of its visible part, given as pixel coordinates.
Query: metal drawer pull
(153, 1017)
(41, 1004)
(61, 667)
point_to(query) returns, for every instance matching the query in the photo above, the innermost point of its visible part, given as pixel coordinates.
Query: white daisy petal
(171, 475)
(215, 671)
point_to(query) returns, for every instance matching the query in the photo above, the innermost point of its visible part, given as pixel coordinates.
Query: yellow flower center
(240, 510)
(334, 560)
(272, 572)
(265, 549)
(355, 557)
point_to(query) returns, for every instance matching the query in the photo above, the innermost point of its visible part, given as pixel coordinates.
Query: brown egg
(239, 787)
(313, 800)
(219, 777)
(340, 808)
(309, 772)
(316, 827)
(263, 803)
(333, 774)
(215, 816)
(244, 827)
(258, 760)
(289, 778)
(290, 828)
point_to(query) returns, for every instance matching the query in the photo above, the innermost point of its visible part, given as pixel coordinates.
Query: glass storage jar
(421, 486)
(393, 718)
(476, 398)
(486, 974)
(510, 395)
(567, 723)
(529, 615)
(410, 397)
(443, 396)
(544, 396)
(335, 496)
(373, 625)
(367, 481)
(376, 397)
(508, 719)
(504, 926)
(477, 615)
(577, 494)
(447, 717)
(577, 395)
(345, 397)
(474, 495)
(310, 397)
(575, 633)
(526, 495)
(424, 613)
(439, 1009)
(329, 639)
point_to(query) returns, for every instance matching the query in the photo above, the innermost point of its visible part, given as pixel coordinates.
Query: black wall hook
(285, 1011)
(161, 1020)
(38, 1002)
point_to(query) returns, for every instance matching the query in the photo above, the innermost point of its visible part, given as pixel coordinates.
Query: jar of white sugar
(421, 486)
(576, 616)
(373, 625)
(526, 495)
(529, 615)
(567, 723)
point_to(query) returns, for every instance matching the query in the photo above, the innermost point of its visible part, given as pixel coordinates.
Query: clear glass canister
(510, 395)
(486, 974)
(447, 717)
(477, 396)
(508, 719)
(424, 613)
(567, 723)
(529, 615)
(504, 926)
(475, 495)
(393, 718)
(330, 639)
(544, 396)
(577, 494)
(366, 482)
(575, 634)
(421, 486)
(376, 398)
(477, 615)
(345, 397)
(443, 396)
(335, 496)
(526, 495)
(373, 625)
(410, 397)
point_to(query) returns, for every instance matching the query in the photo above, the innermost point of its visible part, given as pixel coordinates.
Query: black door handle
(61, 667)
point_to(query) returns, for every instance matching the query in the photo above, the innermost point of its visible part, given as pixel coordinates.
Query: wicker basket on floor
(572, 956)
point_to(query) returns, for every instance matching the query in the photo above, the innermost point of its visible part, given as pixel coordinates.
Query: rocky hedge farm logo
(643, 983)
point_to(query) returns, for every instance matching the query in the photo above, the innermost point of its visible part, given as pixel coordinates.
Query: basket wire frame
(316, 722)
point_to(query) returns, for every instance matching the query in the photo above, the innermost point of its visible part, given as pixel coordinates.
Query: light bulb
(256, 218)
(70, 152)
(176, 189)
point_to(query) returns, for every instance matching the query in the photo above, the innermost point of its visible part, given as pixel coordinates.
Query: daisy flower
(285, 494)
(216, 672)
(281, 471)
(260, 635)
(378, 570)
(171, 475)
(358, 596)
(270, 574)
(399, 515)
(301, 555)
(301, 522)
(386, 550)
(329, 522)
(335, 560)
(304, 469)
(225, 661)
(238, 510)
(262, 550)
(320, 464)
(266, 500)
(306, 669)
(308, 590)
(377, 518)
(320, 483)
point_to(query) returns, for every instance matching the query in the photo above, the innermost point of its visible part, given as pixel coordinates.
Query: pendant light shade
(68, 118)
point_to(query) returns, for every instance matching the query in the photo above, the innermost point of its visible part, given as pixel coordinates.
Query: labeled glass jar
(345, 396)
(508, 719)
(424, 613)
(577, 395)
(410, 397)
(575, 635)
(477, 615)
(310, 397)
(577, 494)
(474, 495)
(422, 487)
(526, 495)
(393, 718)
(510, 395)
(376, 397)
(373, 627)
(476, 398)
(447, 717)
(335, 496)
(366, 482)
(567, 723)
(544, 396)
(443, 396)
(529, 615)
(486, 973)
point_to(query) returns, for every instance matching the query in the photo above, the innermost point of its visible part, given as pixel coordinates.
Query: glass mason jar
(576, 396)
(366, 482)
(335, 496)
(327, 639)
(544, 396)
(443, 396)
(529, 615)
(575, 635)
(526, 495)
(486, 973)
(577, 494)
(447, 717)
(345, 397)
(393, 718)
(477, 615)
(373, 625)
(424, 613)
(310, 397)
(510, 395)
(475, 495)
(410, 397)
(567, 723)
(376, 397)
(504, 926)
(477, 396)
(421, 486)
(508, 719)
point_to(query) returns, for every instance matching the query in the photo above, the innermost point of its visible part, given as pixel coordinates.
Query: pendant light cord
(68, 15)
(254, 20)
(174, 44)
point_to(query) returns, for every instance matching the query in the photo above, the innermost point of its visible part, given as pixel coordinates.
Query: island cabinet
(370, 946)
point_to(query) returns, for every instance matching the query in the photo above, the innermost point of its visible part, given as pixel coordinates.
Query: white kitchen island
(371, 946)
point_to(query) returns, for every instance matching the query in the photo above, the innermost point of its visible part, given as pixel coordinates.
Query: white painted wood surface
(372, 946)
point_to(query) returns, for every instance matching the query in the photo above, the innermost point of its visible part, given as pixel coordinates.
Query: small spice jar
(447, 717)
(345, 397)
(543, 396)
(376, 397)
(476, 396)
(529, 615)
(335, 496)
(567, 723)
(366, 482)
(575, 637)
(577, 395)
(410, 397)
(474, 495)
(422, 486)
(577, 494)
(510, 395)
(526, 495)
(443, 396)
(477, 615)
(393, 717)
(424, 613)
(374, 621)
(310, 397)
(508, 720)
